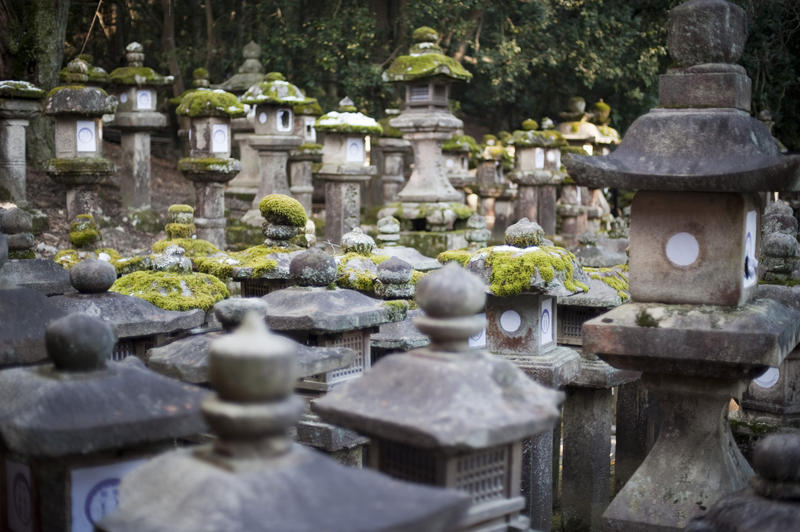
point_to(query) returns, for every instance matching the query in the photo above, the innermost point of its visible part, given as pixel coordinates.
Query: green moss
(416, 276)
(194, 247)
(274, 76)
(308, 107)
(426, 65)
(130, 75)
(257, 257)
(277, 91)
(461, 143)
(357, 280)
(79, 166)
(389, 131)
(83, 232)
(613, 277)
(347, 257)
(209, 164)
(176, 230)
(348, 122)
(644, 319)
(396, 310)
(20, 89)
(544, 139)
(425, 34)
(280, 209)
(512, 272)
(180, 207)
(20, 254)
(602, 107)
(578, 150)
(456, 255)
(173, 291)
(310, 147)
(126, 265)
(200, 73)
(207, 102)
(529, 125)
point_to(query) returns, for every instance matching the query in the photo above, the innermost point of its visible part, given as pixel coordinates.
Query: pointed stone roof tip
(425, 60)
(445, 396)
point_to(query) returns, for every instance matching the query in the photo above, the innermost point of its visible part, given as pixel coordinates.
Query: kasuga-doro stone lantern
(209, 165)
(19, 102)
(447, 415)
(135, 86)
(345, 165)
(699, 328)
(79, 164)
(426, 121)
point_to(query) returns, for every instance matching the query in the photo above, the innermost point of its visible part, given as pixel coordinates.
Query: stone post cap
(450, 297)
(706, 31)
(395, 271)
(231, 312)
(92, 276)
(313, 267)
(253, 373)
(79, 342)
(524, 234)
(776, 460)
(200, 78)
(251, 50)
(77, 71)
(476, 221)
(134, 53)
(358, 241)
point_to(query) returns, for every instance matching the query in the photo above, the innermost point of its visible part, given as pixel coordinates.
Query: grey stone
(389, 224)
(172, 260)
(780, 245)
(15, 220)
(706, 31)
(3, 252)
(130, 316)
(313, 268)
(26, 313)
(394, 271)
(728, 86)
(230, 312)
(417, 260)
(357, 241)
(20, 241)
(79, 342)
(452, 292)
(399, 336)
(92, 276)
(524, 234)
(44, 276)
(599, 257)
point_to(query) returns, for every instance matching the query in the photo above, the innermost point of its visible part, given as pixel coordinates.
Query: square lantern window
(284, 120)
(570, 320)
(694, 247)
(145, 100)
(538, 158)
(220, 138)
(309, 133)
(464, 162)
(522, 324)
(355, 150)
(553, 158)
(418, 93)
(86, 136)
(440, 92)
(358, 341)
(123, 98)
(261, 287)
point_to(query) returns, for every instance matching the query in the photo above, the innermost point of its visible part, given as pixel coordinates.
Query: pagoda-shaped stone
(345, 166)
(209, 165)
(253, 477)
(250, 72)
(447, 415)
(98, 77)
(19, 102)
(275, 135)
(699, 327)
(537, 172)
(79, 164)
(72, 428)
(135, 86)
(137, 324)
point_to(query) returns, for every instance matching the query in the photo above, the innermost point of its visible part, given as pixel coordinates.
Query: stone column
(135, 173)
(343, 203)
(300, 170)
(547, 208)
(274, 168)
(19, 101)
(393, 176)
(428, 181)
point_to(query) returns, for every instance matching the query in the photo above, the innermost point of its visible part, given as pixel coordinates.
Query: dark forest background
(527, 56)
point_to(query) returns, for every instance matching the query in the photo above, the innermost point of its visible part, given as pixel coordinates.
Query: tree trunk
(169, 47)
(211, 50)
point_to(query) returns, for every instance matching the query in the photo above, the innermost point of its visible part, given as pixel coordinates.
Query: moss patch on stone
(21, 254)
(83, 232)
(173, 291)
(310, 147)
(308, 107)
(194, 247)
(461, 143)
(644, 319)
(176, 230)
(256, 257)
(543, 139)
(277, 91)
(512, 272)
(389, 131)
(348, 122)
(396, 310)
(80, 166)
(613, 277)
(426, 65)
(347, 257)
(131, 75)
(280, 209)
(180, 207)
(210, 102)
(416, 275)
(459, 256)
(209, 164)
(20, 89)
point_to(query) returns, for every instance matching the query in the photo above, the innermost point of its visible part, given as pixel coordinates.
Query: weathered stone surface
(230, 312)
(694, 87)
(44, 276)
(172, 260)
(395, 271)
(706, 31)
(524, 234)
(313, 268)
(25, 313)
(92, 276)
(15, 220)
(358, 241)
(129, 316)
(399, 336)
(78, 342)
(317, 309)
(417, 260)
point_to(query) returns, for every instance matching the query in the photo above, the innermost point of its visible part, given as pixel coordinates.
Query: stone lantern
(537, 172)
(456, 152)
(446, 415)
(135, 86)
(698, 328)
(209, 165)
(302, 160)
(98, 77)
(251, 72)
(253, 477)
(345, 165)
(137, 324)
(491, 185)
(524, 279)
(72, 428)
(394, 151)
(275, 134)
(19, 102)
(79, 164)
(426, 121)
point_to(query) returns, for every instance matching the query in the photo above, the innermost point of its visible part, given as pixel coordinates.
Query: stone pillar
(637, 429)
(573, 214)
(135, 173)
(428, 181)
(300, 170)
(274, 170)
(342, 205)
(210, 212)
(19, 101)
(393, 175)
(547, 208)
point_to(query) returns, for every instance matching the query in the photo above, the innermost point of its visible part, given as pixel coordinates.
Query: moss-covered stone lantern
(275, 134)
(302, 160)
(19, 102)
(394, 151)
(345, 165)
(699, 327)
(446, 415)
(537, 172)
(72, 428)
(79, 164)
(135, 86)
(457, 151)
(209, 165)
(426, 121)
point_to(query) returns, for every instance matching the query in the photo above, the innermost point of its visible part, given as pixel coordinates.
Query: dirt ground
(168, 187)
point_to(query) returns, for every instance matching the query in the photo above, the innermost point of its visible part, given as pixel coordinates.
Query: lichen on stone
(20, 89)
(309, 107)
(194, 247)
(512, 271)
(277, 91)
(459, 256)
(461, 143)
(173, 291)
(178, 230)
(425, 59)
(280, 209)
(210, 102)
(348, 122)
(396, 310)
(138, 75)
(614, 277)
(83, 231)
(209, 164)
